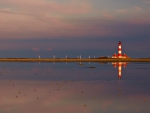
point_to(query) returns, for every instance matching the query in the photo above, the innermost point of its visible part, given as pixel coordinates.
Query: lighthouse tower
(120, 55)
(119, 50)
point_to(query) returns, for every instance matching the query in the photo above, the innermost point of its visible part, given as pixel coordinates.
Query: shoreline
(74, 60)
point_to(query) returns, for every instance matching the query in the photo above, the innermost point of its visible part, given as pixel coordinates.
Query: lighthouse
(119, 50)
(119, 55)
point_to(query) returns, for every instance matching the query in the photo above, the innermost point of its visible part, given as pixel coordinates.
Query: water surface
(74, 87)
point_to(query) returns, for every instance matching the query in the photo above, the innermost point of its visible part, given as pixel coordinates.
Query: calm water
(74, 87)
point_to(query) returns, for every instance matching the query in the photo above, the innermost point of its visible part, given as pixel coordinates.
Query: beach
(74, 60)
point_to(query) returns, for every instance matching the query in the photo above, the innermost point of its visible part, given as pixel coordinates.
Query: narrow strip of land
(74, 60)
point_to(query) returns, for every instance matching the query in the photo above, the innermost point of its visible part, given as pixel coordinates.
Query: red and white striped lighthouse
(119, 50)
(120, 55)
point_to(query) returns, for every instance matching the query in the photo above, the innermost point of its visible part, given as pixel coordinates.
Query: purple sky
(88, 27)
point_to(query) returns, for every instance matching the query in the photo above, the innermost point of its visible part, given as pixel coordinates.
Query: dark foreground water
(74, 87)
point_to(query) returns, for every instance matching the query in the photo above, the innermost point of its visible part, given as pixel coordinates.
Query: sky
(29, 28)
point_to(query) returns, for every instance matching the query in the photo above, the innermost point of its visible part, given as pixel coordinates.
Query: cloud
(54, 19)
(146, 1)
(122, 10)
(38, 49)
(47, 49)
(42, 6)
(30, 19)
(35, 49)
(106, 14)
(131, 10)
(137, 8)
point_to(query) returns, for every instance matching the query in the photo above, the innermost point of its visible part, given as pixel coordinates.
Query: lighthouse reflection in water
(119, 65)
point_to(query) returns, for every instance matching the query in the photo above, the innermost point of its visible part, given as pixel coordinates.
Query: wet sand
(74, 60)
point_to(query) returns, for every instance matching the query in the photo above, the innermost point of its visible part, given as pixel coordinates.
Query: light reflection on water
(74, 87)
